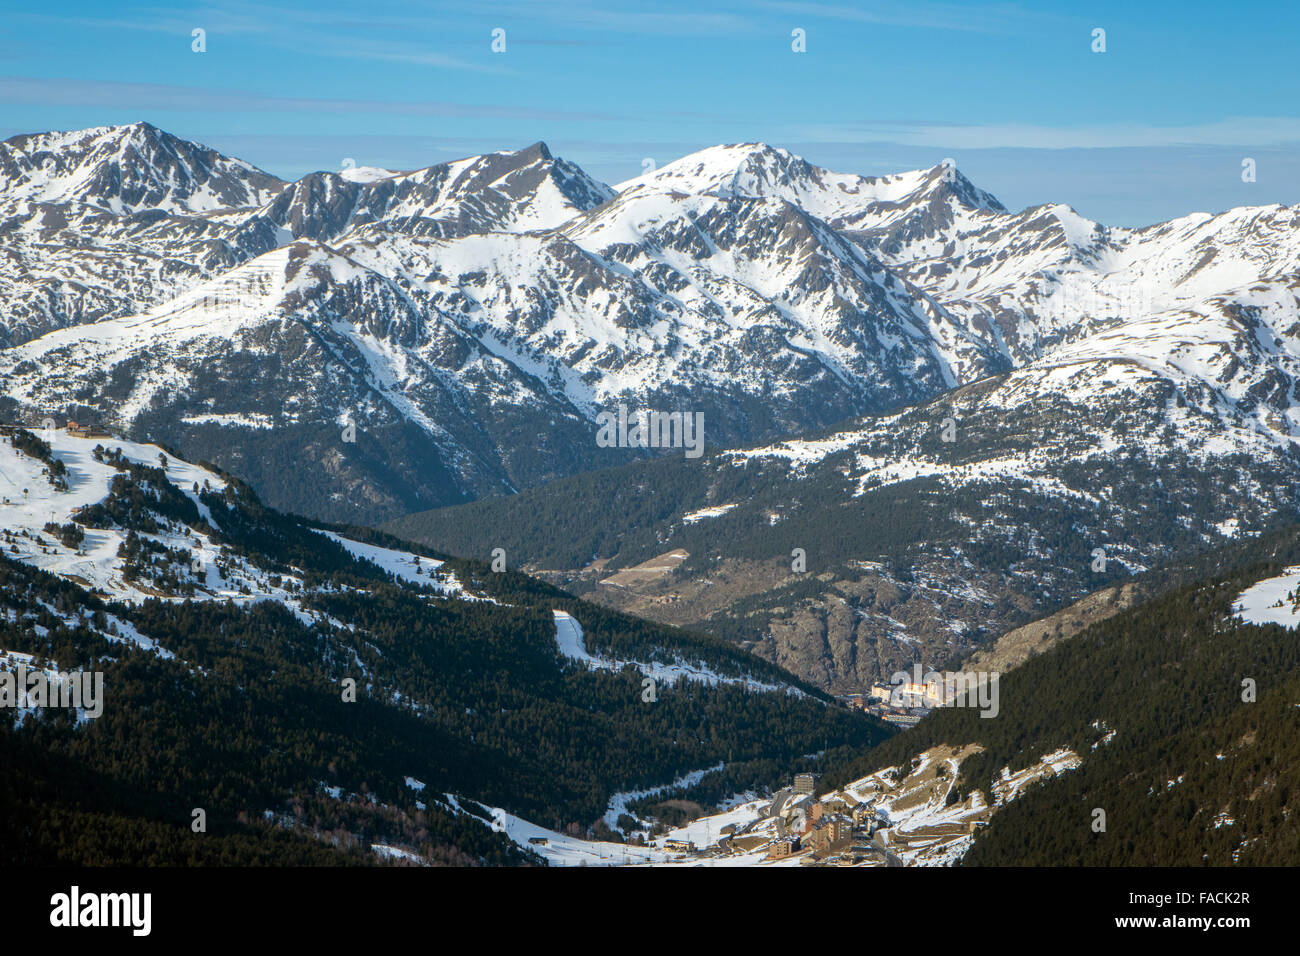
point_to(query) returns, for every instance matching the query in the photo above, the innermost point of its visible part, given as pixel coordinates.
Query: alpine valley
(327, 695)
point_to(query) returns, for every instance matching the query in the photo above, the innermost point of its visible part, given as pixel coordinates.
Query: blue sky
(1155, 127)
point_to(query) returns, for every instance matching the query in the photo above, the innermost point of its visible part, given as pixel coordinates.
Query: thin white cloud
(143, 98)
(297, 31)
(1232, 131)
(966, 18)
(645, 17)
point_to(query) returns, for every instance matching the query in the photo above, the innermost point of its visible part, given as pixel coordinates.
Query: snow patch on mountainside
(618, 804)
(403, 565)
(365, 174)
(1271, 601)
(18, 710)
(1010, 785)
(560, 849)
(717, 511)
(29, 501)
(572, 646)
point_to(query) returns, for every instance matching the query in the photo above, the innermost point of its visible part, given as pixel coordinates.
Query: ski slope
(572, 646)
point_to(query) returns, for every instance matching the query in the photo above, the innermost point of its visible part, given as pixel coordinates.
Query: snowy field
(562, 850)
(1269, 601)
(29, 501)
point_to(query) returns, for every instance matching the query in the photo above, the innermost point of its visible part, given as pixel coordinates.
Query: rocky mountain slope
(1184, 752)
(473, 318)
(929, 530)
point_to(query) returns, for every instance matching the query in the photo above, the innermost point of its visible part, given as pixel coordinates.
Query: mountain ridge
(488, 308)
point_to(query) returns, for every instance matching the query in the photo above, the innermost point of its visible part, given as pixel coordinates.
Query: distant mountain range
(471, 319)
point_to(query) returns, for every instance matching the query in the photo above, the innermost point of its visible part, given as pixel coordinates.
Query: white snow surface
(573, 646)
(28, 501)
(717, 511)
(404, 565)
(1270, 601)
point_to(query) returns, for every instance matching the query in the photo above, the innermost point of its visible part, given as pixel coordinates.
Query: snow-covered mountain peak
(507, 191)
(366, 174)
(542, 189)
(846, 201)
(127, 169)
(776, 294)
(739, 169)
